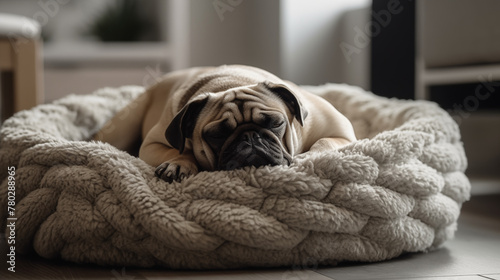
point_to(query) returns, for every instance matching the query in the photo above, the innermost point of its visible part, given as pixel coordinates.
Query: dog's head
(245, 126)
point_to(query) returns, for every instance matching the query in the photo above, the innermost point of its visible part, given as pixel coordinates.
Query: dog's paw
(170, 172)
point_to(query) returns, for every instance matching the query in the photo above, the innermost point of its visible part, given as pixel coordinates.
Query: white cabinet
(458, 43)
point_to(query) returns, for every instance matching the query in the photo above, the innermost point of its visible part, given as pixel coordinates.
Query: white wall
(235, 32)
(295, 39)
(311, 33)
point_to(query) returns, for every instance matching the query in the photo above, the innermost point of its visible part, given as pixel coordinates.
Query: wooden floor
(473, 254)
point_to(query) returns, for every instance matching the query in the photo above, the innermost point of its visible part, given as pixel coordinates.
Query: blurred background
(447, 51)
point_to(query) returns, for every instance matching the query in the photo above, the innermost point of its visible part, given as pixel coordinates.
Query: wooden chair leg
(7, 91)
(27, 72)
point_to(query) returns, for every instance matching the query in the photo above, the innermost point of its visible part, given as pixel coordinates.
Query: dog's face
(245, 126)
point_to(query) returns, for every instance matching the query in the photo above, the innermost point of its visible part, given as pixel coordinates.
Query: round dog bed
(398, 189)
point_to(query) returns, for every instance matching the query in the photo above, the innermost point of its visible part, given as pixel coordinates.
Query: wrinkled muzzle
(252, 148)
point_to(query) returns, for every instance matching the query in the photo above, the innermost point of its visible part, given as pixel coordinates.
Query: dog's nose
(250, 136)
(249, 149)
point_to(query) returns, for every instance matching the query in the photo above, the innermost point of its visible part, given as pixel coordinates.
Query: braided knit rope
(397, 189)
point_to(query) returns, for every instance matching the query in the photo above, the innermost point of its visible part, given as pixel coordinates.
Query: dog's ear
(182, 126)
(290, 98)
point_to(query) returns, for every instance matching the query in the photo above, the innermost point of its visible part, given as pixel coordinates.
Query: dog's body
(221, 118)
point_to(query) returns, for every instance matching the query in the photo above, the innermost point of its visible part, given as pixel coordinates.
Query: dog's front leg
(171, 165)
(326, 144)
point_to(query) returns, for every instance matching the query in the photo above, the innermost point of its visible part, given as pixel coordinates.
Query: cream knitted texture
(397, 189)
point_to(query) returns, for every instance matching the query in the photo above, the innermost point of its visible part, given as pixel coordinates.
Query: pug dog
(225, 118)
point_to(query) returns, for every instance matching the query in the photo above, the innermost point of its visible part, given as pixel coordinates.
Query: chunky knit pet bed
(397, 189)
